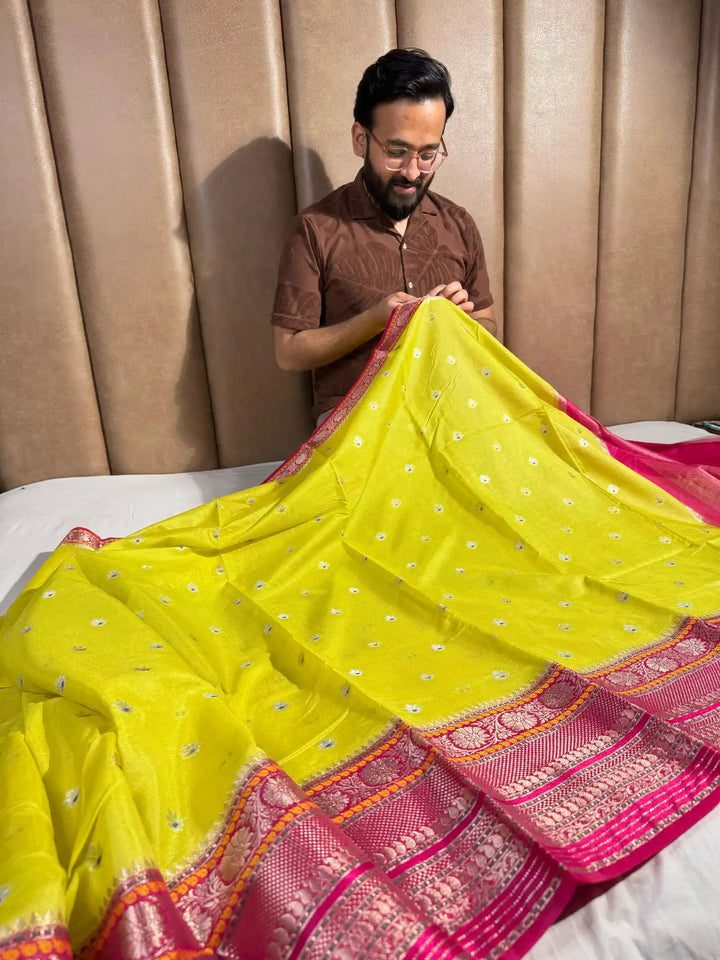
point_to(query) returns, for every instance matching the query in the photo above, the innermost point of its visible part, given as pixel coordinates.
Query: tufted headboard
(153, 153)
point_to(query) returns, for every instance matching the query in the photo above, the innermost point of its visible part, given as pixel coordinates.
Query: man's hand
(380, 313)
(455, 293)
(299, 350)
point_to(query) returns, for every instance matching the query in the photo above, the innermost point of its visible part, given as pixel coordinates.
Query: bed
(136, 376)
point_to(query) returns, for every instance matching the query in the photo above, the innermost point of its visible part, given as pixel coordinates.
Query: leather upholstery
(153, 154)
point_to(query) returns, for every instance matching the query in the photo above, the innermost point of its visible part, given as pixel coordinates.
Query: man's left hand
(455, 293)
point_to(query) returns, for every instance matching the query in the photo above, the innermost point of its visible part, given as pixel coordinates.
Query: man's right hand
(380, 313)
(299, 350)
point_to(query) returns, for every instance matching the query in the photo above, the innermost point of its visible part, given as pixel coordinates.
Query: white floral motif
(98, 622)
(409, 467)
(612, 488)
(470, 544)
(583, 443)
(412, 708)
(665, 539)
(259, 584)
(427, 676)
(564, 626)
(532, 461)
(326, 743)
(460, 570)
(684, 604)
(435, 394)
(500, 675)
(484, 478)
(564, 603)
(614, 536)
(214, 629)
(563, 556)
(71, 797)
(358, 441)
(280, 705)
(335, 612)
(438, 508)
(353, 590)
(506, 418)
(486, 371)
(525, 491)
(417, 353)
(451, 359)
(519, 518)
(630, 628)
(60, 683)
(192, 587)
(283, 616)
(396, 503)
(437, 646)
(48, 594)
(391, 618)
(457, 435)
(189, 750)
(163, 599)
(374, 643)
(411, 565)
(381, 535)
(472, 403)
(564, 654)
(112, 574)
(123, 707)
(424, 538)
(567, 529)
(355, 672)
(498, 622)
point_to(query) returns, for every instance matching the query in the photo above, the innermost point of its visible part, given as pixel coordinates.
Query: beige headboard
(153, 152)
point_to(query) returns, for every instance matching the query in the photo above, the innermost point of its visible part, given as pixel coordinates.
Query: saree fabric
(454, 659)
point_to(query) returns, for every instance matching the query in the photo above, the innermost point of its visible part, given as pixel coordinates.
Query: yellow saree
(452, 661)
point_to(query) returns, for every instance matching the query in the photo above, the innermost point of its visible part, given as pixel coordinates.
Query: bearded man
(381, 240)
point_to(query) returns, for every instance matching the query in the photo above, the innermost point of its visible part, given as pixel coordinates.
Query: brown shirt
(343, 255)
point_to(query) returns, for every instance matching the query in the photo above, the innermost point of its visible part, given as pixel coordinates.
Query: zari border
(86, 538)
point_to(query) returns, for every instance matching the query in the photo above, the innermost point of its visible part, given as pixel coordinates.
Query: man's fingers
(459, 298)
(452, 288)
(468, 306)
(436, 291)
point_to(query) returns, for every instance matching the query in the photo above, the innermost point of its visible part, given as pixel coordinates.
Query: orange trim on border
(44, 947)
(509, 706)
(518, 737)
(647, 651)
(386, 791)
(359, 764)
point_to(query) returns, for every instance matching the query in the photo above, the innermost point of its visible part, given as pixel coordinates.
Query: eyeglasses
(397, 158)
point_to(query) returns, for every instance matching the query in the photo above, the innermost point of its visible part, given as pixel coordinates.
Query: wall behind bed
(153, 153)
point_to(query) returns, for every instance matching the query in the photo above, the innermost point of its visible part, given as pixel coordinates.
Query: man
(381, 240)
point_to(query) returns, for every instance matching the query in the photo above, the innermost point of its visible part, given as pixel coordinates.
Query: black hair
(402, 75)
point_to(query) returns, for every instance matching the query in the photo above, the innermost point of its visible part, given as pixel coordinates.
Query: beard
(397, 206)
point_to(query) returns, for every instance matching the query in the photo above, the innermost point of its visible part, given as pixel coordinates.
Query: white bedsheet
(665, 910)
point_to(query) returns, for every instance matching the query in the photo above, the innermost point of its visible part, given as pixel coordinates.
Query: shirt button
(409, 284)
(404, 246)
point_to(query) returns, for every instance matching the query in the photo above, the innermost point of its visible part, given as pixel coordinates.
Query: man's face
(401, 123)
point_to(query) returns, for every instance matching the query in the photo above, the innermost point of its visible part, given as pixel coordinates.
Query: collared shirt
(343, 255)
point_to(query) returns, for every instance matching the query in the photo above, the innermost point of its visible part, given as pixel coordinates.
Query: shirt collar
(362, 207)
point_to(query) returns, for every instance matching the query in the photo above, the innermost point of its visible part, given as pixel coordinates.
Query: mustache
(402, 182)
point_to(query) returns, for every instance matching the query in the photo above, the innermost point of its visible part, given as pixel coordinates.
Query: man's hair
(402, 75)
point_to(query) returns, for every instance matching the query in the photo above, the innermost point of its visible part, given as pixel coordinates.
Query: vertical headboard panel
(470, 40)
(698, 390)
(228, 91)
(648, 120)
(553, 99)
(49, 420)
(112, 131)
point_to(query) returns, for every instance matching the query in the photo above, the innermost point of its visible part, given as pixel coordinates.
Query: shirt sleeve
(476, 279)
(298, 295)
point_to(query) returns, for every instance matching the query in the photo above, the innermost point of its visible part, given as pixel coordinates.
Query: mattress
(665, 910)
